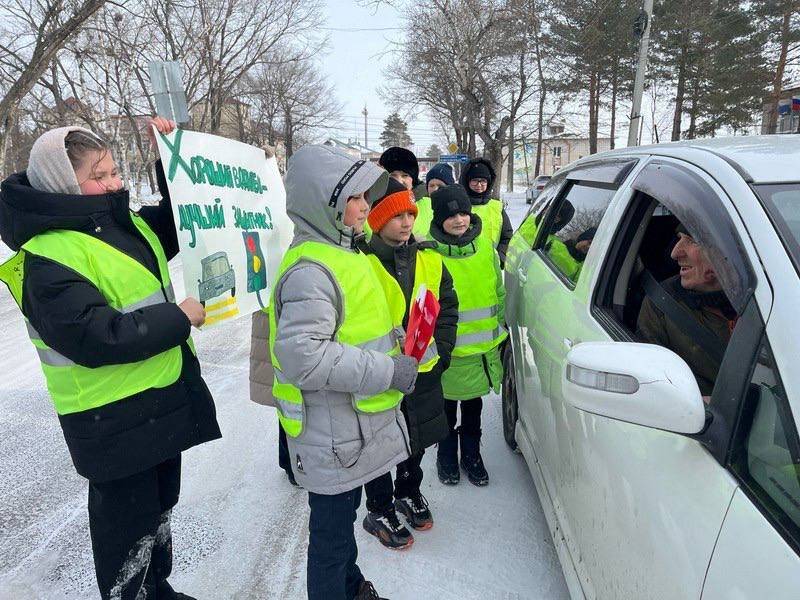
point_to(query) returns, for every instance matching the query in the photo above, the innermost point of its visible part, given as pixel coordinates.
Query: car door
(757, 554)
(640, 508)
(520, 253)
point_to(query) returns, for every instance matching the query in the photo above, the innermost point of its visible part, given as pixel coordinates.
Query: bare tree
(470, 62)
(33, 32)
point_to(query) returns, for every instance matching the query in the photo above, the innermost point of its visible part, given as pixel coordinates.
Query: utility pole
(510, 180)
(364, 112)
(641, 28)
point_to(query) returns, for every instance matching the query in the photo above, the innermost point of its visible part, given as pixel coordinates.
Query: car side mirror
(643, 384)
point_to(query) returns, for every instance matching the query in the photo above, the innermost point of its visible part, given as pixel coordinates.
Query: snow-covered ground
(240, 529)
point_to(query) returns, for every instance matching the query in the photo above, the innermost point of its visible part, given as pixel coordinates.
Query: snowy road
(240, 529)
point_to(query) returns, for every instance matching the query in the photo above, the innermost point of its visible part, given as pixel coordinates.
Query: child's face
(397, 230)
(457, 224)
(404, 178)
(98, 174)
(478, 185)
(355, 214)
(434, 184)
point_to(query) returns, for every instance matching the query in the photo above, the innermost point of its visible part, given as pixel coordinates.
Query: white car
(650, 492)
(536, 188)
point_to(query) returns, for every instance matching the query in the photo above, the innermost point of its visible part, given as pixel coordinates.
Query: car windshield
(215, 268)
(783, 204)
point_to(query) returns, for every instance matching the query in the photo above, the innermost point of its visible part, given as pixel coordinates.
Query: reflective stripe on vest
(427, 271)
(368, 324)
(127, 285)
(475, 280)
(491, 215)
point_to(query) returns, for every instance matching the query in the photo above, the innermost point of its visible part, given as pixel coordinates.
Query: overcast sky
(359, 63)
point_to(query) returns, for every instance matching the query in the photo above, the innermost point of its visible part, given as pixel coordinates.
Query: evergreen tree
(434, 152)
(395, 132)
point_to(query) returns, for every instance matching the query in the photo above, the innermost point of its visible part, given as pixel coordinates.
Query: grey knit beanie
(49, 168)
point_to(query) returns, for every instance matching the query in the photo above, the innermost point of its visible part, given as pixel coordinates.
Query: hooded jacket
(424, 407)
(507, 230)
(339, 449)
(73, 317)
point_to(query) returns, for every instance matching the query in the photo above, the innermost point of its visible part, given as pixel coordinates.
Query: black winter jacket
(72, 316)
(507, 230)
(424, 407)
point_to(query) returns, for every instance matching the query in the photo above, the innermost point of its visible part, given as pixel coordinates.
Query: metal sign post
(167, 85)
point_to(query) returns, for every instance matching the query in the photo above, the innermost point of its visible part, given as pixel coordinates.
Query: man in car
(695, 293)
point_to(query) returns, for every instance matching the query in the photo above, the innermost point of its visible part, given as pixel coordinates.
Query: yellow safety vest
(475, 281)
(422, 224)
(491, 215)
(368, 324)
(427, 271)
(127, 285)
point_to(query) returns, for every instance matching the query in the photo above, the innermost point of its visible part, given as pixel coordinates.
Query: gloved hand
(405, 373)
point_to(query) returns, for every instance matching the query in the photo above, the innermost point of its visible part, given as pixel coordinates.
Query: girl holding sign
(91, 279)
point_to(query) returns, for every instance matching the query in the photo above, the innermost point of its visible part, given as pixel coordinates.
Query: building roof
(358, 147)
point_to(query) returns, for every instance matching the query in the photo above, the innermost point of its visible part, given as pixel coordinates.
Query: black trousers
(380, 495)
(470, 415)
(332, 572)
(284, 460)
(129, 523)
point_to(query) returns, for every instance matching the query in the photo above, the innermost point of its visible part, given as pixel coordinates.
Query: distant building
(558, 150)
(787, 109)
(355, 149)
(234, 118)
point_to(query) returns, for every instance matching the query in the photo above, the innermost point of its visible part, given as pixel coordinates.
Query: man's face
(355, 215)
(697, 273)
(434, 184)
(404, 178)
(397, 230)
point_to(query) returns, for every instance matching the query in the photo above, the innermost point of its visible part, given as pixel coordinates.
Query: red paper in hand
(421, 323)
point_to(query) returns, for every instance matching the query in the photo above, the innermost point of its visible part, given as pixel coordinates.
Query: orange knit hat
(392, 204)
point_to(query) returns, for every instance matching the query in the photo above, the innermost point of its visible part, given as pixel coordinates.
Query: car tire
(510, 413)
(233, 292)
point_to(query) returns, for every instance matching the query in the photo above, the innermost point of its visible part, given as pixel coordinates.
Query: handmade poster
(229, 207)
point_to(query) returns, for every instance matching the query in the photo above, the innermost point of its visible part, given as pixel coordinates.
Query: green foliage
(395, 132)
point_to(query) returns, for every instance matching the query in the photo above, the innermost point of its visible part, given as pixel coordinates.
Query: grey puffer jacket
(339, 448)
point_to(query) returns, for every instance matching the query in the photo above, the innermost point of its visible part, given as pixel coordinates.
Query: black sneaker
(476, 472)
(367, 592)
(448, 472)
(415, 510)
(388, 529)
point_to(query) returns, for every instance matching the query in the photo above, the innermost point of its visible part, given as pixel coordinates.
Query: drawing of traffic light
(256, 267)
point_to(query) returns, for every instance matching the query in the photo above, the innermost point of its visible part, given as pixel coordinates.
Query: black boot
(447, 460)
(367, 592)
(471, 460)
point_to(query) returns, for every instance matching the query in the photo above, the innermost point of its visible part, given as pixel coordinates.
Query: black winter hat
(442, 172)
(480, 170)
(477, 167)
(400, 159)
(448, 201)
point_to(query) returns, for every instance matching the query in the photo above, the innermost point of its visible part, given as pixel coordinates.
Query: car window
(767, 457)
(782, 201)
(530, 225)
(572, 224)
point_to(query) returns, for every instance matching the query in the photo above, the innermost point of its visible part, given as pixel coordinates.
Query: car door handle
(523, 276)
